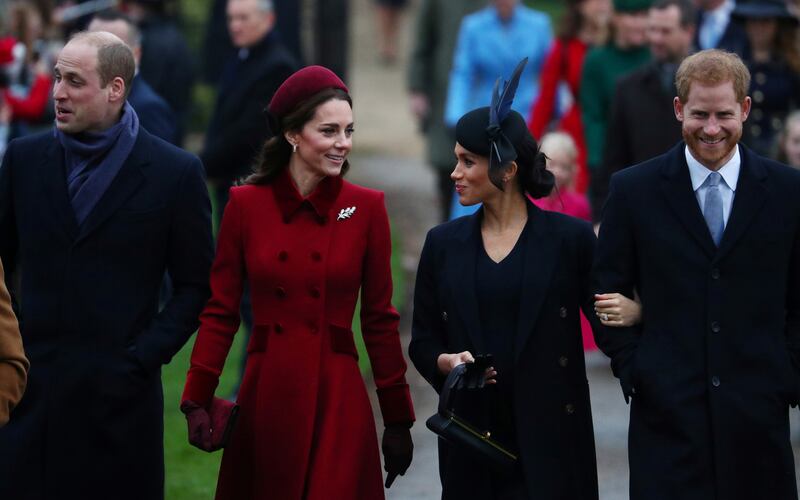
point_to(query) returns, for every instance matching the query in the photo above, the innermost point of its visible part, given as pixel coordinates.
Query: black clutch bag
(463, 435)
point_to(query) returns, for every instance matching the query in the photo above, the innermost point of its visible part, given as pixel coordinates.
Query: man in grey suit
(708, 234)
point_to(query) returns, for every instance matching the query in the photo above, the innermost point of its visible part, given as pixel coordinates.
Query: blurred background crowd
(600, 72)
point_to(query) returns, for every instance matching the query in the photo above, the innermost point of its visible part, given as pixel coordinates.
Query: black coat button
(444, 316)
(278, 328)
(562, 312)
(715, 274)
(563, 361)
(715, 327)
(569, 409)
(715, 381)
(315, 292)
(280, 292)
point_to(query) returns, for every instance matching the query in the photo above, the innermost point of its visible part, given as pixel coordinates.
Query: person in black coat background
(642, 121)
(510, 281)
(708, 234)
(154, 113)
(90, 220)
(239, 125)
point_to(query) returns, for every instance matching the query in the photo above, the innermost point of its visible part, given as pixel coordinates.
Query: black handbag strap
(446, 396)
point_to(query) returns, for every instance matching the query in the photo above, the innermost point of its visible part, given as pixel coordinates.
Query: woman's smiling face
(325, 141)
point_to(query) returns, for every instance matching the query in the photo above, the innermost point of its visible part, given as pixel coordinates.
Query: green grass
(192, 474)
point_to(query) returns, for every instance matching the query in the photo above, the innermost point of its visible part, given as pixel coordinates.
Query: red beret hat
(300, 86)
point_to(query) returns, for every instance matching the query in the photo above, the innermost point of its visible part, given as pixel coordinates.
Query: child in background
(562, 160)
(789, 141)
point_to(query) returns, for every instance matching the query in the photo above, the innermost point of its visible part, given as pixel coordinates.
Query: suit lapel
(122, 187)
(749, 198)
(541, 254)
(55, 187)
(677, 188)
(461, 270)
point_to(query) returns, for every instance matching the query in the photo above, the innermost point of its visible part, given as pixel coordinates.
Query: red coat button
(280, 292)
(315, 292)
(283, 255)
(316, 256)
(278, 328)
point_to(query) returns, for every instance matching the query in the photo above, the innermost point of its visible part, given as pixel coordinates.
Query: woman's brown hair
(276, 152)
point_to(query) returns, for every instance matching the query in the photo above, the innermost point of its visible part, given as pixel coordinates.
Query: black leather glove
(398, 449)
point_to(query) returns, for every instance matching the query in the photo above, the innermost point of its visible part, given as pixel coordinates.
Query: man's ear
(678, 107)
(746, 105)
(116, 89)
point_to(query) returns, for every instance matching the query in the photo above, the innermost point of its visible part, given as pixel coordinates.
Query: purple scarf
(93, 160)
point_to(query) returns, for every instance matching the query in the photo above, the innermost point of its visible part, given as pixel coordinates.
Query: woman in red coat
(585, 24)
(306, 241)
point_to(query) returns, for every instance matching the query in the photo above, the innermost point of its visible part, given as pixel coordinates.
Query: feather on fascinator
(505, 127)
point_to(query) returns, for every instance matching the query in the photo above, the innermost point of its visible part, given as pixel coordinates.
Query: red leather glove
(199, 425)
(210, 429)
(398, 449)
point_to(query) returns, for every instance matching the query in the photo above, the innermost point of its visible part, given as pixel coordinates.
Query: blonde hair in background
(713, 67)
(553, 142)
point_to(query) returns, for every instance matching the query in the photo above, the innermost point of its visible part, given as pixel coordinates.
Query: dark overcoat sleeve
(427, 331)
(615, 270)
(793, 312)
(189, 254)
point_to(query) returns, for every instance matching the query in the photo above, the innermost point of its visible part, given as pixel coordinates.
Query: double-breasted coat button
(563, 361)
(313, 328)
(715, 327)
(755, 130)
(316, 256)
(283, 255)
(562, 312)
(760, 78)
(280, 292)
(315, 292)
(777, 124)
(444, 316)
(758, 96)
(715, 274)
(758, 114)
(569, 409)
(286, 219)
(278, 328)
(715, 381)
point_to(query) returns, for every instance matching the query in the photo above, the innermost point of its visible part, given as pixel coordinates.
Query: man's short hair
(713, 67)
(114, 57)
(687, 9)
(112, 15)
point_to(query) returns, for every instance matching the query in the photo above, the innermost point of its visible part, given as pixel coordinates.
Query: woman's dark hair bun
(534, 177)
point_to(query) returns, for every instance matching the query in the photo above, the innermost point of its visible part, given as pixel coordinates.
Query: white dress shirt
(727, 186)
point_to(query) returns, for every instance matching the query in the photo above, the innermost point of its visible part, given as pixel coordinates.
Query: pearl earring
(294, 148)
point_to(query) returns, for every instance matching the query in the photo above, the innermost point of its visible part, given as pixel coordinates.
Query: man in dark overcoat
(641, 112)
(239, 126)
(709, 236)
(92, 214)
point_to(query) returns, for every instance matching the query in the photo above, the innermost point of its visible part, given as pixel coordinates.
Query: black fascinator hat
(496, 130)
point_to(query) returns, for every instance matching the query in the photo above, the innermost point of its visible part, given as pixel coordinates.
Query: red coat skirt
(305, 428)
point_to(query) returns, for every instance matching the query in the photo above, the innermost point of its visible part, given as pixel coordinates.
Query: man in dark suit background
(642, 117)
(92, 215)
(709, 236)
(238, 125)
(716, 29)
(154, 113)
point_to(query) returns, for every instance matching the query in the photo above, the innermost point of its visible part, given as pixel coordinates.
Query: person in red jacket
(584, 25)
(306, 241)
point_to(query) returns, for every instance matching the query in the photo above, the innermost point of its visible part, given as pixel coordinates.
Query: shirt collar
(729, 171)
(290, 201)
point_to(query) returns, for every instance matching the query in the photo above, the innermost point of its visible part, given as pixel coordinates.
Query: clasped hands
(615, 309)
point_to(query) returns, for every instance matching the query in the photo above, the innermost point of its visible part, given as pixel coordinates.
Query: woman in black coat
(510, 281)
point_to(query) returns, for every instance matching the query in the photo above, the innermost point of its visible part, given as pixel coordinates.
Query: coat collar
(750, 196)
(290, 200)
(541, 252)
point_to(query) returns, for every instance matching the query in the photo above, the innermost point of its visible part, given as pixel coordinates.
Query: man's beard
(708, 158)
